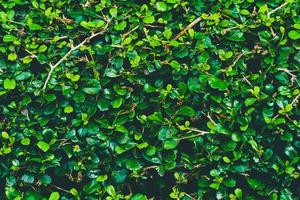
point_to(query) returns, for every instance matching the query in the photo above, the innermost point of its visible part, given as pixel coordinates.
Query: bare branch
(289, 72)
(294, 101)
(188, 27)
(126, 34)
(200, 133)
(273, 11)
(31, 54)
(237, 59)
(73, 48)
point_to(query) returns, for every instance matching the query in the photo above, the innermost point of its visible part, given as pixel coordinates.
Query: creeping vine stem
(52, 67)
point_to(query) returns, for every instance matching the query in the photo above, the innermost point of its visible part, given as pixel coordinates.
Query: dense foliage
(156, 99)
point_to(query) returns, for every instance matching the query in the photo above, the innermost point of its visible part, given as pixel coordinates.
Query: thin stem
(200, 133)
(293, 76)
(188, 27)
(209, 117)
(246, 80)
(237, 59)
(297, 97)
(48, 77)
(15, 22)
(62, 189)
(189, 196)
(273, 11)
(52, 67)
(287, 71)
(224, 31)
(32, 54)
(149, 167)
(126, 34)
(191, 136)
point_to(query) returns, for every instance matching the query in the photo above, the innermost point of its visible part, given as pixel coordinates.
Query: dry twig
(73, 48)
(188, 27)
(200, 133)
(273, 11)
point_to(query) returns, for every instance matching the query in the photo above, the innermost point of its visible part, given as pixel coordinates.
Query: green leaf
(161, 6)
(102, 178)
(113, 12)
(79, 97)
(54, 196)
(226, 159)
(111, 190)
(294, 34)
(50, 97)
(230, 182)
(239, 193)
(23, 76)
(9, 38)
(170, 144)
(87, 25)
(9, 84)
(45, 179)
(288, 137)
(5, 135)
(199, 5)
(35, 27)
(42, 48)
(74, 192)
(156, 117)
(288, 107)
(103, 104)
(194, 85)
(43, 146)
(256, 184)
(148, 19)
(215, 186)
(217, 83)
(268, 154)
(93, 87)
(27, 178)
(120, 26)
(235, 36)
(175, 65)
(68, 109)
(12, 56)
(25, 141)
(139, 197)
(117, 102)
(250, 101)
(229, 146)
(187, 111)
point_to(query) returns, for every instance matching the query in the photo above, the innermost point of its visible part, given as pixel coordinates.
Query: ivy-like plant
(158, 99)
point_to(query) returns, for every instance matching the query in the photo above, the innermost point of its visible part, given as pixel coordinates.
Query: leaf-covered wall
(149, 99)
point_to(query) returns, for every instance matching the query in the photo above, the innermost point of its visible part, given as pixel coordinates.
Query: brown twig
(31, 54)
(209, 117)
(186, 194)
(152, 26)
(200, 133)
(187, 28)
(59, 188)
(246, 80)
(293, 76)
(237, 59)
(294, 101)
(224, 31)
(149, 167)
(73, 48)
(126, 34)
(281, 6)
